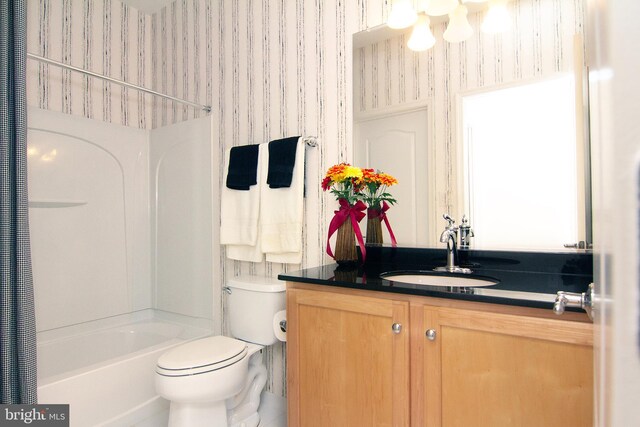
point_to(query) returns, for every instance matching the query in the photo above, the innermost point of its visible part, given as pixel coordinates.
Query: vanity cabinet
(446, 362)
(347, 360)
(482, 368)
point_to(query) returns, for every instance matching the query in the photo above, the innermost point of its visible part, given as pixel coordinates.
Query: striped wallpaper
(272, 69)
(284, 68)
(103, 36)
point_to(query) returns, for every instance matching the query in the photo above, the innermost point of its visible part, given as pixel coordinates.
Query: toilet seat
(201, 356)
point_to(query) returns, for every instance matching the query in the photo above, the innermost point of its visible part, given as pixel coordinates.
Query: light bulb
(458, 29)
(497, 19)
(421, 36)
(402, 15)
(440, 7)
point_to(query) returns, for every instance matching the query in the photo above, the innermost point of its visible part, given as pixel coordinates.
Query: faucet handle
(447, 217)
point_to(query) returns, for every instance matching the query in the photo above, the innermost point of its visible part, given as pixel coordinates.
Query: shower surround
(123, 247)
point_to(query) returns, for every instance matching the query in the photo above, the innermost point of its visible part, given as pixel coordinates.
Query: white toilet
(217, 381)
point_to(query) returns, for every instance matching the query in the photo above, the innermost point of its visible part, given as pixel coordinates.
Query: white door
(615, 135)
(397, 144)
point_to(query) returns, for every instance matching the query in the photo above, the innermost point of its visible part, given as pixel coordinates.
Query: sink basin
(429, 278)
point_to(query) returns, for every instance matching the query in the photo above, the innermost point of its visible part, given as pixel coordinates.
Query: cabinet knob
(431, 334)
(396, 328)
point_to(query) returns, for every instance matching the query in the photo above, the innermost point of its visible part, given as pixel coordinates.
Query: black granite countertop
(528, 279)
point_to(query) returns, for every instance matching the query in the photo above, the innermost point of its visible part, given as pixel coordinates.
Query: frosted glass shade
(458, 29)
(497, 18)
(440, 7)
(421, 36)
(402, 15)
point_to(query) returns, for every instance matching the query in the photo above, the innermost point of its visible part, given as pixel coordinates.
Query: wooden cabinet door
(493, 369)
(345, 364)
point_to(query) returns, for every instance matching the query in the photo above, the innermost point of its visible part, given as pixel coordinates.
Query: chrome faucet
(466, 233)
(449, 236)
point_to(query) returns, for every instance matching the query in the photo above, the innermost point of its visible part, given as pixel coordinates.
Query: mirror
(416, 117)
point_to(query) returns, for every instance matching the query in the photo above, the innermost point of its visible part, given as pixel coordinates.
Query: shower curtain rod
(205, 108)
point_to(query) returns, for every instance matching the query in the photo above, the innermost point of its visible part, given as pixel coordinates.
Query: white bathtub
(105, 369)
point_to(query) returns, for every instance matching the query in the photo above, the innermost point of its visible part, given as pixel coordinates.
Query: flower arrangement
(344, 181)
(375, 195)
(374, 188)
(355, 189)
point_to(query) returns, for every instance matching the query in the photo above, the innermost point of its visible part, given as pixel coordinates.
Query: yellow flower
(342, 172)
(352, 172)
(344, 181)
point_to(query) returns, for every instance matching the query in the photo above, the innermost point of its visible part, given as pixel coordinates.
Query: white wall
(89, 197)
(182, 218)
(121, 219)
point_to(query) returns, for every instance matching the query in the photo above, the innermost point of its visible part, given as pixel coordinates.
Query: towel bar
(311, 141)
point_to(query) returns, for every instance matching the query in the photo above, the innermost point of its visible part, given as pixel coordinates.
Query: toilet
(217, 381)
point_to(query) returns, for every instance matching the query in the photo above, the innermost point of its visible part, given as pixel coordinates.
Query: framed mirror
(426, 118)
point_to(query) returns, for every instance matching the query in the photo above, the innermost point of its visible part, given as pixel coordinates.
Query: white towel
(245, 253)
(239, 216)
(281, 213)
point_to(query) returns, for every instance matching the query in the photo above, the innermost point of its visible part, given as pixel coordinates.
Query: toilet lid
(202, 352)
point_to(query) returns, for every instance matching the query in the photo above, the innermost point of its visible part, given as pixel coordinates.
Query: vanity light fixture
(404, 14)
(458, 29)
(421, 37)
(497, 19)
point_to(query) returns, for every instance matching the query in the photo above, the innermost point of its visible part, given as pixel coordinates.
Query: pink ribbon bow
(346, 211)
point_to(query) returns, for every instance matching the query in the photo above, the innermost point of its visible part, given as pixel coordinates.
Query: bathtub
(105, 369)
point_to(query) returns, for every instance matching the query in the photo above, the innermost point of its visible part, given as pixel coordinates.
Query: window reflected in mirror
(520, 165)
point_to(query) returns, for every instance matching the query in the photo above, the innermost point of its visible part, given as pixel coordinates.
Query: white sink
(427, 278)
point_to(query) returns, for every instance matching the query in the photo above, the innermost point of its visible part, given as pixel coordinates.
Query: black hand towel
(282, 158)
(243, 167)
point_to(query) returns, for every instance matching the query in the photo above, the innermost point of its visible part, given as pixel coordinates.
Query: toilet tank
(251, 306)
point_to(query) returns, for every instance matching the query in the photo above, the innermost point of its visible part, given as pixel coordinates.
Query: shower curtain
(17, 314)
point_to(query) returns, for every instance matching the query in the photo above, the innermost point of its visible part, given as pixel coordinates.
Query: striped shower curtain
(17, 317)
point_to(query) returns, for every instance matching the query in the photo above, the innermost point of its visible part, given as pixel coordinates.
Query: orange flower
(386, 179)
(374, 187)
(380, 178)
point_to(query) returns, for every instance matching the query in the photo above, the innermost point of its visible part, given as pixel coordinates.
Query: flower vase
(346, 253)
(374, 227)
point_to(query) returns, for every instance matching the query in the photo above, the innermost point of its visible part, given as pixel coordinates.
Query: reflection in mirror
(409, 122)
(397, 144)
(520, 174)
